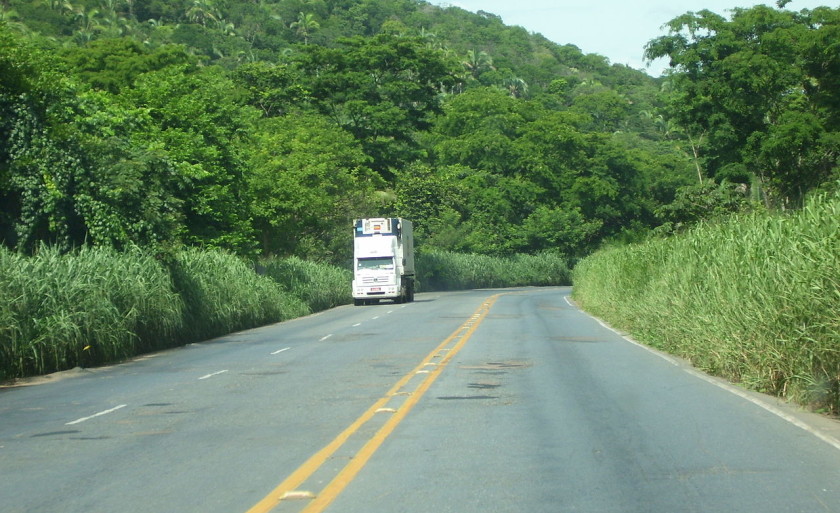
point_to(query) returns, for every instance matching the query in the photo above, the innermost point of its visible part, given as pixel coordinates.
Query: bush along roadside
(321, 286)
(754, 299)
(59, 311)
(96, 306)
(445, 270)
(223, 294)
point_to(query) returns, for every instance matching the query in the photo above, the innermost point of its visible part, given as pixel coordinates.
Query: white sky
(616, 29)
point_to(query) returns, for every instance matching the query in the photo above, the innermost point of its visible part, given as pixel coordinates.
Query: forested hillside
(263, 127)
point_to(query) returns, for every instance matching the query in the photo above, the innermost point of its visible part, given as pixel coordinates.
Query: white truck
(383, 260)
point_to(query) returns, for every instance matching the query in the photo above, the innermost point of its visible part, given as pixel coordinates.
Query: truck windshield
(375, 263)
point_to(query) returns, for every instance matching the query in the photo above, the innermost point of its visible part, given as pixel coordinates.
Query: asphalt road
(480, 401)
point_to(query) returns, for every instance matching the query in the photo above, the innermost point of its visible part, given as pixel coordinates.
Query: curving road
(479, 401)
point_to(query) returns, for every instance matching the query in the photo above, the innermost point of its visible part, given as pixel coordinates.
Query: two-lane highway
(504, 400)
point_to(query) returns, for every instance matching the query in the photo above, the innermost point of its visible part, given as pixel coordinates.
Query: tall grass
(444, 270)
(223, 294)
(320, 286)
(97, 306)
(755, 299)
(59, 311)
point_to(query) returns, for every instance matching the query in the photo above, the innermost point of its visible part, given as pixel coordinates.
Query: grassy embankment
(99, 306)
(443, 270)
(755, 299)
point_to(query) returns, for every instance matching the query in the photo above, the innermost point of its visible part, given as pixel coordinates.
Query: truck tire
(409, 296)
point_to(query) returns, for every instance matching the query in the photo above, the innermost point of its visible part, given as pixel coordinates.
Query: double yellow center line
(431, 367)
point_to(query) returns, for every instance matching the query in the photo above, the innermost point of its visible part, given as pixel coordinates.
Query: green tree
(33, 166)
(121, 193)
(202, 125)
(432, 198)
(530, 165)
(114, 64)
(559, 229)
(747, 85)
(305, 25)
(607, 109)
(480, 129)
(272, 88)
(72, 173)
(701, 202)
(309, 179)
(381, 89)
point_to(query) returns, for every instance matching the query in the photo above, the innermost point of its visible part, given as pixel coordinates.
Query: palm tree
(517, 87)
(202, 11)
(225, 27)
(304, 26)
(89, 24)
(112, 22)
(477, 62)
(61, 6)
(13, 19)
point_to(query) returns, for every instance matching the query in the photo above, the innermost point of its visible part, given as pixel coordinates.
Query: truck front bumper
(376, 292)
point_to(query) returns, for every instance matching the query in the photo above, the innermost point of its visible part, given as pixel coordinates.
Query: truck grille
(367, 280)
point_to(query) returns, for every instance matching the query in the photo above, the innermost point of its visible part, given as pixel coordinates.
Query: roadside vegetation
(444, 270)
(320, 286)
(223, 294)
(58, 311)
(754, 298)
(97, 306)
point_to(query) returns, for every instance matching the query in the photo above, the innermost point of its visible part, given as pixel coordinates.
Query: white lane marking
(281, 350)
(667, 358)
(772, 409)
(373, 319)
(297, 494)
(390, 311)
(357, 324)
(325, 338)
(213, 374)
(830, 440)
(106, 412)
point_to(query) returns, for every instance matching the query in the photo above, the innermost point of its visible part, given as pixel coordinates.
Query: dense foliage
(757, 95)
(263, 128)
(444, 270)
(97, 306)
(753, 299)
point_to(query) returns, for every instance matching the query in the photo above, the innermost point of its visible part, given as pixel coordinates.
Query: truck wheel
(358, 302)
